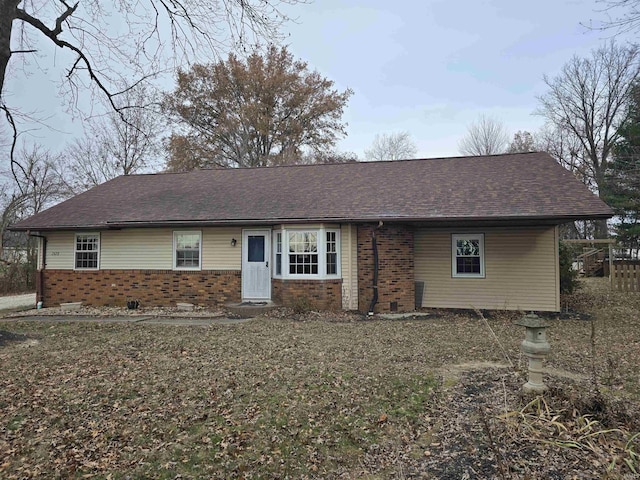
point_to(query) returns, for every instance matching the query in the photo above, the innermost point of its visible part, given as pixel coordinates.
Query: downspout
(40, 292)
(374, 247)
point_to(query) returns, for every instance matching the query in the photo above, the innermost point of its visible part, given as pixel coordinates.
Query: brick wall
(151, 287)
(320, 294)
(395, 268)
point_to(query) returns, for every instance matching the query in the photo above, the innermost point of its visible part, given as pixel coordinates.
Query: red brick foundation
(151, 287)
(395, 268)
(318, 294)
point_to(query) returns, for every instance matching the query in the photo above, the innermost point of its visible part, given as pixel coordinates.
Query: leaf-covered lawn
(279, 398)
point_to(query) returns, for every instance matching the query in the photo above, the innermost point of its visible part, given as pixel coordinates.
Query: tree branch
(66, 14)
(14, 141)
(53, 36)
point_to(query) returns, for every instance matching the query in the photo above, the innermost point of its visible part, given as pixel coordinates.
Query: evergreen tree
(622, 191)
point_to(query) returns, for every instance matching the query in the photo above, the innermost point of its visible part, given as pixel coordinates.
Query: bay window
(308, 253)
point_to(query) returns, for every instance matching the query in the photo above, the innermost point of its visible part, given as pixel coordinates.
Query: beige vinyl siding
(136, 249)
(520, 270)
(148, 249)
(217, 252)
(60, 247)
(349, 266)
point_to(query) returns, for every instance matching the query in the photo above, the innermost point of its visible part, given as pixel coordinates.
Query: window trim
(75, 250)
(276, 244)
(318, 253)
(467, 236)
(175, 245)
(321, 235)
(325, 240)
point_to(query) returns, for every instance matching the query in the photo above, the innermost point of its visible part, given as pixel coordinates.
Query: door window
(255, 245)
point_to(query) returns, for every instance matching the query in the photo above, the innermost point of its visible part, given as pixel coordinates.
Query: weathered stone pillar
(535, 348)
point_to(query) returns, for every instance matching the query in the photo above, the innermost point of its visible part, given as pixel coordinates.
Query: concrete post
(535, 348)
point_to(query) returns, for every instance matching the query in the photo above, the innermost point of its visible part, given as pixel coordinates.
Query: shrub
(301, 305)
(568, 276)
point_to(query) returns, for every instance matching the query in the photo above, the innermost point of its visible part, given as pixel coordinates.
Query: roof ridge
(356, 162)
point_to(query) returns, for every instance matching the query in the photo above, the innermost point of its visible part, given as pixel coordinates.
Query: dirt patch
(7, 338)
(451, 373)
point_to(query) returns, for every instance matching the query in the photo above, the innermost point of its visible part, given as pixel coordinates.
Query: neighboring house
(471, 232)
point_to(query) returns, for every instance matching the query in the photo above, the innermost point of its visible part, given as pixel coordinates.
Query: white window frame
(454, 263)
(326, 252)
(274, 261)
(175, 245)
(321, 235)
(75, 250)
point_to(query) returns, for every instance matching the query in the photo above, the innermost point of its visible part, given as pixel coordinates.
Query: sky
(430, 68)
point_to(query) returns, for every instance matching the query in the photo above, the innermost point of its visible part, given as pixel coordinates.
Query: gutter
(374, 286)
(436, 221)
(439, 221)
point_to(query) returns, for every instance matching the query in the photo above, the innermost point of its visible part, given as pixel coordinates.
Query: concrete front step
(248, 309)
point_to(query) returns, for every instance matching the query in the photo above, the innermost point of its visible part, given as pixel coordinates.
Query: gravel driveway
(18, 301)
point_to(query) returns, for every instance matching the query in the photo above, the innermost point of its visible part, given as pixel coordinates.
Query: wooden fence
(626, 276)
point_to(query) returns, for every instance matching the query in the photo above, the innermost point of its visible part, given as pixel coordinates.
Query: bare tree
(103, 56)
(588, 101)
(10, 206)
(566, 149)
(522, 142)
(112, 147)
(391, 146)
(486, 136)
(621, 15)
(326, 157)
(39, 185)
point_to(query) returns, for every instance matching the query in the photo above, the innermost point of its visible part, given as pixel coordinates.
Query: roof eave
(551, 219)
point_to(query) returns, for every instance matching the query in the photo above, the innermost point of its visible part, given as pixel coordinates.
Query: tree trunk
(602, 231)
(599, 168)
(7, 16)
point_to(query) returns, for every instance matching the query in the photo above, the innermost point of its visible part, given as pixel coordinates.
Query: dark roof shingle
(515, 186)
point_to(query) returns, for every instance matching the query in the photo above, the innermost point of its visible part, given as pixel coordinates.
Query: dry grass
(278, 398)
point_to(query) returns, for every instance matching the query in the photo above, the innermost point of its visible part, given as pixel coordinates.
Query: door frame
(267, 255)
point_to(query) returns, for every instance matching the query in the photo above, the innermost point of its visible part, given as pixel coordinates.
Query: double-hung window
(87, 251)
(467, 255)
(278, 253)
(187, 250)
(332, 252)
(303, 253)
(310, 253)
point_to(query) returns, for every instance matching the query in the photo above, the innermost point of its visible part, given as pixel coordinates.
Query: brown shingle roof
(530, 186)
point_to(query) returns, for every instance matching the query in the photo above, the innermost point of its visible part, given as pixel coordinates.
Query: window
(468, 255)
(309, 253)
(87, 251)
(332, 254)
(303, 253)
(187, 250)
(255, 247)
(278, 261)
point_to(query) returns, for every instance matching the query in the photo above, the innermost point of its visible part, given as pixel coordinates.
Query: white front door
(256, 273)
